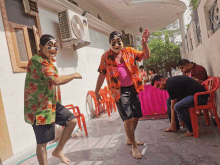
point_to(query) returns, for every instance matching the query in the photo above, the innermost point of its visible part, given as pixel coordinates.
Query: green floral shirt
(40, 95)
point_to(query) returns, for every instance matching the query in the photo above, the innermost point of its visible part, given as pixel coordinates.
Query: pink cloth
(153, 100)
(190, 75)
(124, 75)
(142, 74)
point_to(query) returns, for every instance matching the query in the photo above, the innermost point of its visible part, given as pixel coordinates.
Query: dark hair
(141, 67)
(183, 62)
(156, 78)
(152, 70)
(113, 34)
(45, 38)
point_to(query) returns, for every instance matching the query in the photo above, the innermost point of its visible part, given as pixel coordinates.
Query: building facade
(19, 38)
(202, 39)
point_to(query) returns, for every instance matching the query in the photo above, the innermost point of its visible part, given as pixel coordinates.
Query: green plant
(193, 4)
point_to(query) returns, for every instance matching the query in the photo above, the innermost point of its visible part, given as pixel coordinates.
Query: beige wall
(206, 53)
(85, 60)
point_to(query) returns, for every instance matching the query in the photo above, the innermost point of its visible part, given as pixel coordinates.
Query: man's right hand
(98, 97)
(77, 76)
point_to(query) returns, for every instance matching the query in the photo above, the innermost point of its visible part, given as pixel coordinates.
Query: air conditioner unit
(30, 7)
(128, 40)
(73, 29)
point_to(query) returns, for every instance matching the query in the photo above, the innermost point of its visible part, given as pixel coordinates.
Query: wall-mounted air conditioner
(30, 7)
(73, 29)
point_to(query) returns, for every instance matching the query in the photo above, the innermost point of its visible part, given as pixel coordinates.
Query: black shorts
(129, 105)
(46, 133)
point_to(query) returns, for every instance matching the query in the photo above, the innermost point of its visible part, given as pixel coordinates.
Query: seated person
(143, 74)
(193, 70)
(181, 90)
(151, 75)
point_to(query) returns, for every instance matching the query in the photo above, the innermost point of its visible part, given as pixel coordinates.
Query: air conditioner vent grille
(64, 27)
(33, 6)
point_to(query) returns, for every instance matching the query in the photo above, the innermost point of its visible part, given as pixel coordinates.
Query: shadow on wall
(99, 40)
(1, 25)
(209, 68)
(67, 57)
(211, 73)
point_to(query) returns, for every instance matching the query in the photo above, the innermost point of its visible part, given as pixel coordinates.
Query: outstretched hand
(145, 36)
(77, 76)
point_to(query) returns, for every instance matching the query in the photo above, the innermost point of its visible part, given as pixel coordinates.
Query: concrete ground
(106, 145)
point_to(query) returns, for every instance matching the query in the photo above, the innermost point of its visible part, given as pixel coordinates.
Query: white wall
(207, 52)
(12, 87)
(85, 61)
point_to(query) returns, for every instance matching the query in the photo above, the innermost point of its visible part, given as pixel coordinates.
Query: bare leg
(135, 122)
(129, 129)
(42, 154)
(67, 131)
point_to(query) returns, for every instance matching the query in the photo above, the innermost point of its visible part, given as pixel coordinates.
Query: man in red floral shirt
(42, 100)
(118, 66)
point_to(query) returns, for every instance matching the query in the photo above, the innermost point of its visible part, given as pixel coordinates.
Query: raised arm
(144, 44)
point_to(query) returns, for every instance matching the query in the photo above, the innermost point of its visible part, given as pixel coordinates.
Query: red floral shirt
(108, 67)
(40, 95)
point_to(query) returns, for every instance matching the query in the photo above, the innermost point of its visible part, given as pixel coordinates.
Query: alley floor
(106, 145)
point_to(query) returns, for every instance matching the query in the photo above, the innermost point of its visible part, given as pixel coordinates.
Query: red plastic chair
(199, 112)
(211, 85)
(103, 101)
(78, 115)
(97, 108)
(109, 101)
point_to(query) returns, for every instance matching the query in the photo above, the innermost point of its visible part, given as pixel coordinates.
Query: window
(187, 45)
(197, 28)
(211, 10)
(189, 41)
(22, 28)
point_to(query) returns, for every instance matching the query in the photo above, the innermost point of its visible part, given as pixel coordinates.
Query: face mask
(50, 49)
(116, 44)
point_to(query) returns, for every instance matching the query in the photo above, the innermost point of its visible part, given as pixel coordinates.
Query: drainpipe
(183, 32)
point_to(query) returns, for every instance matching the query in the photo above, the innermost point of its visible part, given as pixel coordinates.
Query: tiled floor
(106, 145)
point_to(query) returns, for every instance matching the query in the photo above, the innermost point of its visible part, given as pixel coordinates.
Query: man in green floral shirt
(42, 100)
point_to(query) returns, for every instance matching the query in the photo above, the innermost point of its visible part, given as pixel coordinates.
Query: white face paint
(116, 44)
(50, 49)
